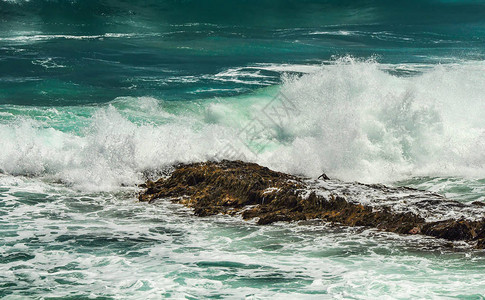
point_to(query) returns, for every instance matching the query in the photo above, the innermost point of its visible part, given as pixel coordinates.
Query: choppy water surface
(96, 96)
(60, 243)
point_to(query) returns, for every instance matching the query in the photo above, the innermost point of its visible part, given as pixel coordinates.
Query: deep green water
(96, 96)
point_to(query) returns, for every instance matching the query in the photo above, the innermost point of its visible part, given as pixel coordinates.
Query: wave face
(352, 119)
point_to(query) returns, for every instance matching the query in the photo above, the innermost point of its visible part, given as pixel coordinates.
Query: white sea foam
(356, 121)
(361, 123)
(111, 246)
(338, 32)
(428, 205)
(48, 63)
(29, 37)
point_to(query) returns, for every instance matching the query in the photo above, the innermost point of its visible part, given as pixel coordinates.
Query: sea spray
(356, 122)
(97, 96)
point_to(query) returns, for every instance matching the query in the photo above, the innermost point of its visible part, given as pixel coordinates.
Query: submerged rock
(235, 187)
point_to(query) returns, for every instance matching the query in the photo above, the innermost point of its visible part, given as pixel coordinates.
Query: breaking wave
(354, 120)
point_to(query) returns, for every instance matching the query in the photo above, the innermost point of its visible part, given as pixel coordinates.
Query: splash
(357, 121)
(361, 123)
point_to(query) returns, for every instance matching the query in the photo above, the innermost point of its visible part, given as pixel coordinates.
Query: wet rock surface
(235, 187)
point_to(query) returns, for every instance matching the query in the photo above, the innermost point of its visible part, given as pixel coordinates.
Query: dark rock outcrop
(235, 187)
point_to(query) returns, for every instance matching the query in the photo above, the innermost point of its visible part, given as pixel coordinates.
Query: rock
(253, 191)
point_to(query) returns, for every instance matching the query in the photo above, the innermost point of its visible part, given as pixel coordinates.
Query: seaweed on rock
(236, 187)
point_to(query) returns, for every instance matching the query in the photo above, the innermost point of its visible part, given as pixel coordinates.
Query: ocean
(97, 96)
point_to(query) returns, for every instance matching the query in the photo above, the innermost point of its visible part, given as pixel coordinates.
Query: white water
(62, 243)
(356, 122)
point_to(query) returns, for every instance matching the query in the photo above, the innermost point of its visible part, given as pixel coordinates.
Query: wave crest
(356, 121)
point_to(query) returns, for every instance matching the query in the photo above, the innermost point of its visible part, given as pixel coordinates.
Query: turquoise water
(98, 96)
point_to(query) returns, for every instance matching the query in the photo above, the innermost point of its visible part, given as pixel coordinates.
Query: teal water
(98, 96)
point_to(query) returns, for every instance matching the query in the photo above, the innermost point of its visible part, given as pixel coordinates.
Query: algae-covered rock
(235, 187)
